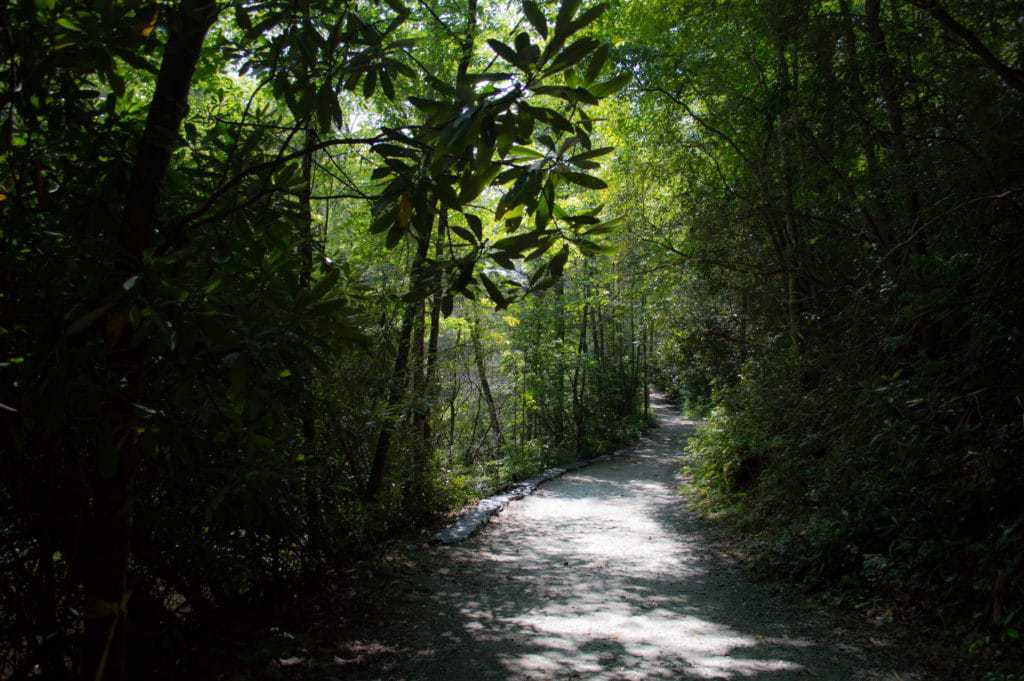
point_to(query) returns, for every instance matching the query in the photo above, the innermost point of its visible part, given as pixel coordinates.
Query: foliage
(837, 231)
(193, 285)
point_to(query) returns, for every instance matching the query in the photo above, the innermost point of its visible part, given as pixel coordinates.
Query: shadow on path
(602, 574)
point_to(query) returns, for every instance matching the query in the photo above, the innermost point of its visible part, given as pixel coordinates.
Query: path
(602, 574)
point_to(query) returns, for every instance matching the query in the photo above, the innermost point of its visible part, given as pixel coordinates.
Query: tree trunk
(399, 377)
(858, 99)
(485, 386)
(579, 380)
(314, 521)
(890, 88)
(435, 327)
(105, 553)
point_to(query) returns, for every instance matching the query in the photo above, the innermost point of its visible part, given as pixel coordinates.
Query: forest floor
(602, 574)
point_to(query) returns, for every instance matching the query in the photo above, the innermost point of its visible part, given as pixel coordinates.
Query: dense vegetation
(284, 279)
(832, 192)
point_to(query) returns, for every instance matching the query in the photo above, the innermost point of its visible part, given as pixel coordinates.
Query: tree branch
(1011, 76)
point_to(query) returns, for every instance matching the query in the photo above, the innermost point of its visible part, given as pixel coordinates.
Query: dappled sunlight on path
(604, 574)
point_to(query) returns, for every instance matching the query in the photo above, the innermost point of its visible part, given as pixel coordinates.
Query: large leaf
(557, 263)
(597, 62)
(573, 54)
(563, 20)
(504, 51)
(536, 17)
(495, 294)
(612, 85)
(517, 243)
(464, 234)
(583, 180)
(588, 17)
(593, 153)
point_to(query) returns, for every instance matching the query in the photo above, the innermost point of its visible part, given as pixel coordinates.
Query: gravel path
(602, 574)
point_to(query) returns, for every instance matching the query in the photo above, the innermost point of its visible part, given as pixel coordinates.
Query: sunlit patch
(606, 577)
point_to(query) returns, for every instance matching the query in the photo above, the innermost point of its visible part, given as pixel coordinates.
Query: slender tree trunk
(467, 40)
(314, 520)
(579, 379)
(792, 243)
(485, 386)
(435, 324)
(648, 343)
(858, 98)
(399, 377)
(560, 331)
(104, 563)
(890, 88)
(452, 401)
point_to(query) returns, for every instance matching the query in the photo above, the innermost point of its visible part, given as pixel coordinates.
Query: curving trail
(603, 574)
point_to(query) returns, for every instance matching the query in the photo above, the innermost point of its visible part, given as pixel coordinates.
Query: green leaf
(566, 11)
(518, 243)
(464, 234)
(612, 85)
(573, 54)
(489, 77)
(370, 84)
(387, 85)
(324, 285)
(588, 248)
(499, 300)
(518, 151)
(504, 51)
(597, 62)
(461, 132)
(569, 94)
(536, 17)
(543, 248)
(394, 236)
(476, 224)
(474, 183)
(593, 153)
(557, 263)
(588, 17)
(583, 180)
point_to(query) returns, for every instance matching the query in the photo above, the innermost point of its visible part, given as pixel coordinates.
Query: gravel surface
(603, 573)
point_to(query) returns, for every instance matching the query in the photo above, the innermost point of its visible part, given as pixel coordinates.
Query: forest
(284, 282)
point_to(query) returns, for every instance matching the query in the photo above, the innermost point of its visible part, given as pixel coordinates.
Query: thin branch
(178, 228)
(703, 122)
(1013, 77)
(438, 19)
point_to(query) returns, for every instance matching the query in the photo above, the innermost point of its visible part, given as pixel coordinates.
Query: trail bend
(604, 574)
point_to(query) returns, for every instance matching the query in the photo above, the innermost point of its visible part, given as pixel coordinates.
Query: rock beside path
(471, 520)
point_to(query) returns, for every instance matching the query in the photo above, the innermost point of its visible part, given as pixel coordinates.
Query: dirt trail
(602, 574)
